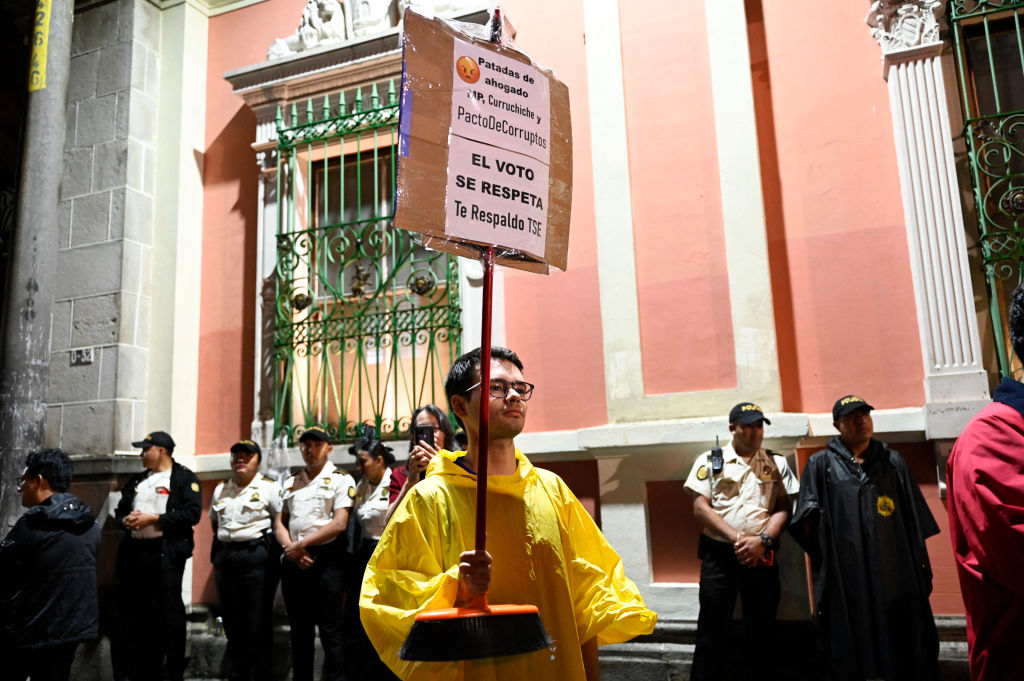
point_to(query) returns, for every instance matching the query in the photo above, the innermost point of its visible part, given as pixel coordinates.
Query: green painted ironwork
(367, 321)
(989, 39)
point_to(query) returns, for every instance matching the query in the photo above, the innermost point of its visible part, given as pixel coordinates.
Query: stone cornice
(321, 71)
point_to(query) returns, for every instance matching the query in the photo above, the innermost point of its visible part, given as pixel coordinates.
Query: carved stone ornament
(902, 24)
(332, 22)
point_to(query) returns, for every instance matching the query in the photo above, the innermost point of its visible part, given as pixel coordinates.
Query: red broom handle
(485, 399)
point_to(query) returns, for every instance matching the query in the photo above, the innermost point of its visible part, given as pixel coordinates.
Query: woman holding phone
(430, 432)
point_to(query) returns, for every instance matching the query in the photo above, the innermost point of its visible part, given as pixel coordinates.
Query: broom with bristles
(477, 629)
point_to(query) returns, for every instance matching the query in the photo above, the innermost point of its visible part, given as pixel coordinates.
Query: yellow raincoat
(546, 551)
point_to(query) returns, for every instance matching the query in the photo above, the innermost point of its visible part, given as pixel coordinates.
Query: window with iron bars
(367, 321)
(988, 37)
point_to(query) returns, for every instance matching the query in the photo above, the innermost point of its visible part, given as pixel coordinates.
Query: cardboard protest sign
(485, 149)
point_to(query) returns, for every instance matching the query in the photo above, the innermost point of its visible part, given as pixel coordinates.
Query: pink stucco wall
(227, 319)
(841, 284)
(554, 322)
(682, 286)
(843, 298)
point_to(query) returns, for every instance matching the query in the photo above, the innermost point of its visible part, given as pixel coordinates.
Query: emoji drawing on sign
(467, 69)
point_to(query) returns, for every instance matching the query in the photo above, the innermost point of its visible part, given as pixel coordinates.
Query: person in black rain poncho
(863, 522)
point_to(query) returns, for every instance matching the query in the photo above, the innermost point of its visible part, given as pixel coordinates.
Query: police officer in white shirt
(157, 509)
(741, 495)
(316, 504)
(245, 559)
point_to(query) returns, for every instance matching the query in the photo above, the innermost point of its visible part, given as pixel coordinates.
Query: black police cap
(747, 412)
(157, 438)
(848, 404)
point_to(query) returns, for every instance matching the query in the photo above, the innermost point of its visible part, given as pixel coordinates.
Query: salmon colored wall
(674, 532)
(841, 282)
(227, 319)
(204, 590)
(554, 322)
(945, 598)
(582, 478)
(682, 286)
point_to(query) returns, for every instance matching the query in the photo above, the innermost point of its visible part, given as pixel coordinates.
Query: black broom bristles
(470, 637)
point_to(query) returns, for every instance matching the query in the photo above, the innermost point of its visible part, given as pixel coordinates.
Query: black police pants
(50, 663)
(721, 578)
(246, 577)
(315, 598)
(152, 611)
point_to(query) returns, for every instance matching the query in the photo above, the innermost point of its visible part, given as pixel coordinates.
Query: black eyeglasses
(499, 388)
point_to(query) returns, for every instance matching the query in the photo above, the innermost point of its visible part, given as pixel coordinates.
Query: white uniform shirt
(313, 506)
(151, 497)
(244, 514)
(372, 503)
(743, 496)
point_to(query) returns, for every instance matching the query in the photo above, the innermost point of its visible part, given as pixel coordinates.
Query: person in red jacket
(985, 494)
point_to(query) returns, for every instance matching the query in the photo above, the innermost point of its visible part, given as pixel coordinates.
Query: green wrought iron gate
(367, 321)
(989, 39)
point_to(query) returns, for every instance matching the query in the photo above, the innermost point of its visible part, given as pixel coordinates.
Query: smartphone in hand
(425, 433)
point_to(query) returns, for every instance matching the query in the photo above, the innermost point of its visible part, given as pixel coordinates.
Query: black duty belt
(250, 545)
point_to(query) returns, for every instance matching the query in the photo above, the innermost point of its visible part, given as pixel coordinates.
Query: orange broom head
(474, 632)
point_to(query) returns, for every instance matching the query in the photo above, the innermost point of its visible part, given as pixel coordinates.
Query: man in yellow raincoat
(543, 548)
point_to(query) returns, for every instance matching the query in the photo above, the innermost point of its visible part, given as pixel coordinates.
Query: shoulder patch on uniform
(351, 492)
(702, 473)
(267, 478)
(195, 486)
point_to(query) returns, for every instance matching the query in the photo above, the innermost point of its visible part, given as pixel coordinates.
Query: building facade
(769, 205)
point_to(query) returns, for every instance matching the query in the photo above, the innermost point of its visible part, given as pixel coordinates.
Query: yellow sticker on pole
(40, 38)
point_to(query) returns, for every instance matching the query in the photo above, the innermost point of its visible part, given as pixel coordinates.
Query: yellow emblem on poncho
(885, 506)
(702, 473)
(195, 486)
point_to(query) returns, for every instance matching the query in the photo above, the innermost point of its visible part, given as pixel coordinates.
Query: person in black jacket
(48, 599)
(157, 510)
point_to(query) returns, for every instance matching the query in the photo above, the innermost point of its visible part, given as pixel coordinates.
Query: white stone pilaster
(955, 381)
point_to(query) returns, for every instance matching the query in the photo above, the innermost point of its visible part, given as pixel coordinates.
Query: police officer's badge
(702, 473)
(255, 496)
(885, 506)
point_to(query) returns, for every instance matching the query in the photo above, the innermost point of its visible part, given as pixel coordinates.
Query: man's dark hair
(54, 465)
(442, 419)
(1017, 321)
(464, 374)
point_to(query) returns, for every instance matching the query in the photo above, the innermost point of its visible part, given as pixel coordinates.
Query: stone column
(262, 429)
(955, 382)
(26, 349)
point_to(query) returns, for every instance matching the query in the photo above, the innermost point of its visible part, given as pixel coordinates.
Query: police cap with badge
(157, 438)
(847, 405)
(247, 447)
(314, 433)
(747, 413)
